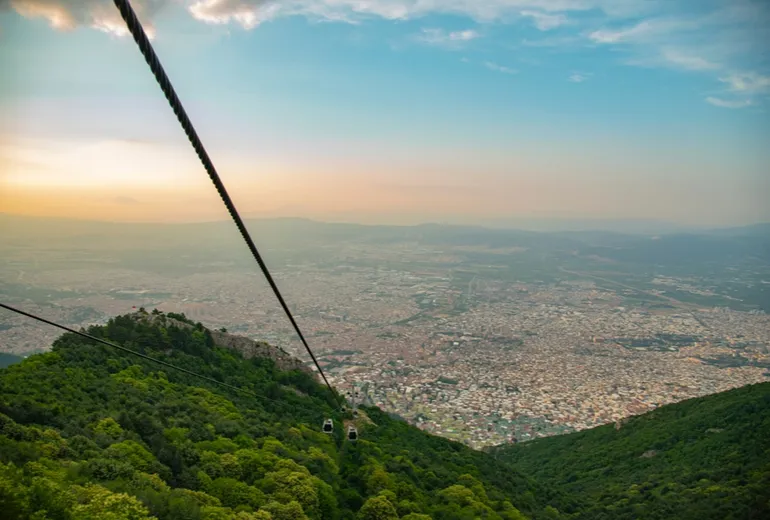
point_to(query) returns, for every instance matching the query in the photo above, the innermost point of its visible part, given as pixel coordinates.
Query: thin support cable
(145, 356)
(137, 31)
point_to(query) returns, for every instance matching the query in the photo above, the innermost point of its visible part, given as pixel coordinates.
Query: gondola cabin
(352, 433)
(328, 426)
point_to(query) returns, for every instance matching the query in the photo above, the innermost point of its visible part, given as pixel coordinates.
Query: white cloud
(748, 82)
(66, 15)
(652, 30)
(727, 38)
(546, 14)
(499, 68)
(723, 37)
(687, 61)
(621, 35)
(579, 77)
(724, 103)
(247, 14)
(442, 38)
(544, 21)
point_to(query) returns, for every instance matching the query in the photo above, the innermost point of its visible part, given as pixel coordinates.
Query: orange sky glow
(149, 182)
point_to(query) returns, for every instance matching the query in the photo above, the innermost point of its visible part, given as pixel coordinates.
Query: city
(450, 346)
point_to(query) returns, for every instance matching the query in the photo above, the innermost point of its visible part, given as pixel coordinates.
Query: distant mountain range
(738, 244)
(620, 226)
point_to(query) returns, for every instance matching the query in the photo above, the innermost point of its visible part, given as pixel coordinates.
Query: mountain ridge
(600, 225)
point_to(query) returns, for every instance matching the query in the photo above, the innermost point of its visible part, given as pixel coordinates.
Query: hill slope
(88, 432)
(702, 458)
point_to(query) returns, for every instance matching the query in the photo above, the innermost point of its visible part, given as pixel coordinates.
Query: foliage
(89, 432)
(698, 459)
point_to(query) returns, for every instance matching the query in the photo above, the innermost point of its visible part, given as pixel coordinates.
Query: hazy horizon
(391, 112)
(545, 225)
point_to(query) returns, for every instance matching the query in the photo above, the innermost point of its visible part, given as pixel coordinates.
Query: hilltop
(246, 347)
(89, 432)
(702, 458)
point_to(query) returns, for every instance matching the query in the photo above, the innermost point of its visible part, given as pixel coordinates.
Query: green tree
(378, 508)
(291, 511)
(299, 486)
(378, 480)
(98, 503)
(232, 493)
(109, 427)
(133, 453)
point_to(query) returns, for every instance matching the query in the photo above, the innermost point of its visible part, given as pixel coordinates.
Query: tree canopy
(701, 458)
(87, 431)
(90, 432)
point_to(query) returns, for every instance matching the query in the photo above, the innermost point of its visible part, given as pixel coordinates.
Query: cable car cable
(137, 31)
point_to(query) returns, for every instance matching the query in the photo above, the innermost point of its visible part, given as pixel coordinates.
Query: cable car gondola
(328, 426)
(352, 433)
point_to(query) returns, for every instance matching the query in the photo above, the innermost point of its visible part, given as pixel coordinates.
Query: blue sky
(370, 109)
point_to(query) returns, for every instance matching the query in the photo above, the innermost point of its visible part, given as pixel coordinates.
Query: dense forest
(701, 458)
(89, 432)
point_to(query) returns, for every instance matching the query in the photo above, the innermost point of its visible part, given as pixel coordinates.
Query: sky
(391, 111)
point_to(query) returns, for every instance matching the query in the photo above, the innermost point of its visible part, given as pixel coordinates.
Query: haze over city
(391, 111)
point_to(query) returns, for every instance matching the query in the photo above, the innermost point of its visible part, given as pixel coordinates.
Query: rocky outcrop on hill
(248, 348)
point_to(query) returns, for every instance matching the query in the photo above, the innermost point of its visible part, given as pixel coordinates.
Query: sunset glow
(393, 113)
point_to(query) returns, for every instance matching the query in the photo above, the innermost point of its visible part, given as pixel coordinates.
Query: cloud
(544, 21)
(579, 77)
(687, 61)
(442, 38)
(747, 82)
(100, 14)
(545, 13)
(725, 39)
(499, 68)
(66, 15)
(718, 102)
(246, 14)
(622, 35)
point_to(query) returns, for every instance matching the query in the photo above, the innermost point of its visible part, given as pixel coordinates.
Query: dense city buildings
(458, 350)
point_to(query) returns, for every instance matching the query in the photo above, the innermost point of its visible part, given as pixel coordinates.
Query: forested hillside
(698, 459)
(89, 432)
